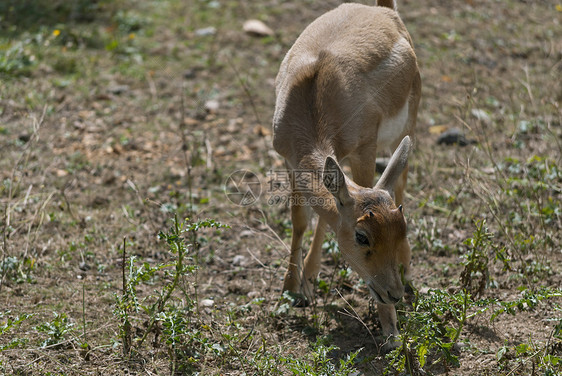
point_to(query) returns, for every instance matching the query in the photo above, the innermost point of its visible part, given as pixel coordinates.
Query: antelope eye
(361, 238)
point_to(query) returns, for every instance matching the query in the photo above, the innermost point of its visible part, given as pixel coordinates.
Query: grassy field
(123, 250)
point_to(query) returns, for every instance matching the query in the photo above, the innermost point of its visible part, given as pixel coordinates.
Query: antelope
(350, 85)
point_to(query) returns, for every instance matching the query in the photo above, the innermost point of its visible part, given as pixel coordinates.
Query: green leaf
(422, 352)
(501, 353)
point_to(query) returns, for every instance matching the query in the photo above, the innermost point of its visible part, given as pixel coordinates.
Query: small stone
(118, 89)
(253, 294)
(212, 105)
(454, 136)
(207, 303)
(481, 115)
(438, 129)
(246, 233)
(206, 31)
(61, 173)
(257, 28)
(99, 201)
(239, 260)
(189, 74)
(24, 137)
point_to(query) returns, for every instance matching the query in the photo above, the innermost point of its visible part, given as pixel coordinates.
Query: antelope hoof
(297, 299)
(301, 302)
(390, 343)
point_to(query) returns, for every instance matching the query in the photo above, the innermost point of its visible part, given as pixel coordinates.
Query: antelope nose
(393, 299)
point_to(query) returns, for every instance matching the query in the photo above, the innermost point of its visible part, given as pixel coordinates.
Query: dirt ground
(126, 113)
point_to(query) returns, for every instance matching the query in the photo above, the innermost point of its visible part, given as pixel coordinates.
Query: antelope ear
(334, 181)
(398, 162)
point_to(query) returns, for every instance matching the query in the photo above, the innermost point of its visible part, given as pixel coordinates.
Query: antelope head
(371, 229)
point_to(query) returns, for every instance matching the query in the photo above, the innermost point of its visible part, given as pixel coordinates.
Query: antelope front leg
(389, 323)
(312, 261)
(299, 217)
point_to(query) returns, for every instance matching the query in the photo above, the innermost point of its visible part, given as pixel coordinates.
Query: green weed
(176, 317)
(528, 301)
(519, 358)
(319, 363)
(17, 58)
(433, 327)
(17, 269)
(57, 330)
(12, 324)
(475, 276)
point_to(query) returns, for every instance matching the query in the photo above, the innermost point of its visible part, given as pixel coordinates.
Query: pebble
(454, 136)
(206, 31)
(207, 303)
(257, 28)
(239, 260)
(118, 89)
(212, 105)
(253, 294)
(246, 233)
(481, 115)
(24, 137)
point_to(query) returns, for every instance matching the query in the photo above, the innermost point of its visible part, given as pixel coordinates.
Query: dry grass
(106, 131)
